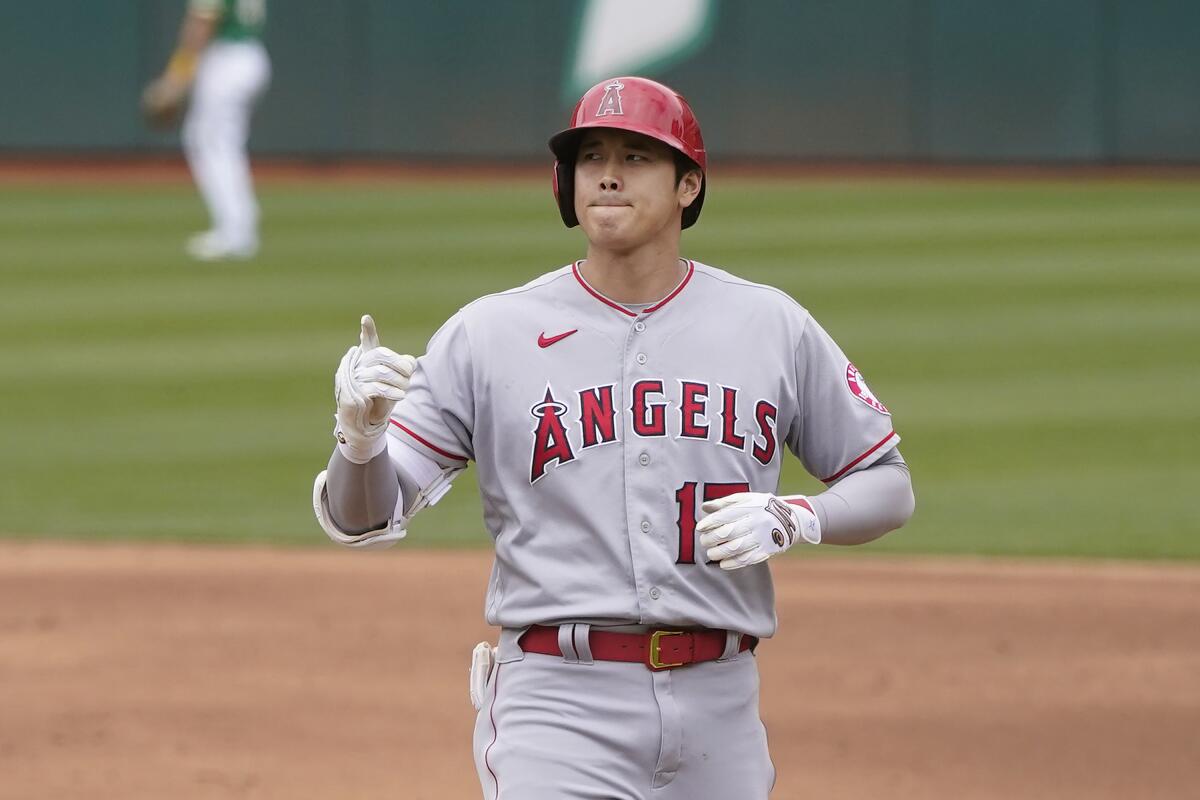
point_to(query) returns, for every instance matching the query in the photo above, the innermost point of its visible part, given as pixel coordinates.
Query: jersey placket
(642, 473)
(645, 462)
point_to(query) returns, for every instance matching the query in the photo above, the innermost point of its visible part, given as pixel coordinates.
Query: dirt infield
(169, 672)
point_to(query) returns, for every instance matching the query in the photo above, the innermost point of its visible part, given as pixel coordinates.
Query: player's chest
(578, 389)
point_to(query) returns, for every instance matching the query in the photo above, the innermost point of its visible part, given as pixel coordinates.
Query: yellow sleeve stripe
(209, 9)
(182, 66)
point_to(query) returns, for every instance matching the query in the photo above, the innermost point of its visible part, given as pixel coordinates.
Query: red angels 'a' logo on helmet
(611, 102)
(858, 388)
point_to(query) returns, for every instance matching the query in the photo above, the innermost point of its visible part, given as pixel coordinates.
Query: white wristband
(353, 455)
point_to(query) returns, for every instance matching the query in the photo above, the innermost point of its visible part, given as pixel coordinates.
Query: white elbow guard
(433, 480)
(380, 539)
(426, 473)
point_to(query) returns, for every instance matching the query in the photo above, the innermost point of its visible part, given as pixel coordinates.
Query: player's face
(625, 190)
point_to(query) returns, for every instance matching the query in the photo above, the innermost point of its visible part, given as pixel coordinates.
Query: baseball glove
(163, 101)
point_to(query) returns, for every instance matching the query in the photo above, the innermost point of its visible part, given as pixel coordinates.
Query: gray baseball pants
(561, 728)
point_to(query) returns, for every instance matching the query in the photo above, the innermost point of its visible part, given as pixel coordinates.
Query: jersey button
(641, 358)
(655, 593)
(645, 526)
(639, 326)
(644, 459)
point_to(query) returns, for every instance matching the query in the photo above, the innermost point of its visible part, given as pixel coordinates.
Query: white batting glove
(750, 527)
(367, 385)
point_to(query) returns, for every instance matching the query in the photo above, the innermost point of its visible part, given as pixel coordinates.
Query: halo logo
(611, 102)
(858, 388)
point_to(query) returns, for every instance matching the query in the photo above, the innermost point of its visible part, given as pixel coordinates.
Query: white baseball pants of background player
(555, 728)
(230, 78)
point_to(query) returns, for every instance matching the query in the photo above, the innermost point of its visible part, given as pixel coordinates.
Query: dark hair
(683, 165)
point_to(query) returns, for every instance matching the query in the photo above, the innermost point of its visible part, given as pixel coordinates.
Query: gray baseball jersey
(598, 431)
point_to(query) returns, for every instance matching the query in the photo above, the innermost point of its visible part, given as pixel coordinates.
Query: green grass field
(1038, 344)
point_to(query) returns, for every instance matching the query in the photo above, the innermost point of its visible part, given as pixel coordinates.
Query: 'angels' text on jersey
(592, 422)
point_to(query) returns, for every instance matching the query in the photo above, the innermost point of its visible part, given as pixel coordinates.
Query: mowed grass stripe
(1032, 339)
(1007, 325)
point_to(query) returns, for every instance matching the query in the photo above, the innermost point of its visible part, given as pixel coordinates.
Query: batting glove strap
(750, 527)
(363, 450)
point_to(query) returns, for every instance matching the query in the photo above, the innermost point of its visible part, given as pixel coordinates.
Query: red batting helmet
(628, 104)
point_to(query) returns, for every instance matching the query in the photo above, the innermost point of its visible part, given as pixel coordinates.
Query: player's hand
(368, 384)
(162, 101)
(750, 527)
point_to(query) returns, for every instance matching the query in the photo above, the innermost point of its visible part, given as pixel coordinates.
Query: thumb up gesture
(368, 383)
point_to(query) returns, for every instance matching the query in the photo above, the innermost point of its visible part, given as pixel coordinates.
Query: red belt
(658, 650)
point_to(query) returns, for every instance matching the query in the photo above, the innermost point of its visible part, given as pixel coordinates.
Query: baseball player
(221, 62)
(628, 415)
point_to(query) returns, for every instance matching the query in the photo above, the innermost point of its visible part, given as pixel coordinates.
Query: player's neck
(636, 277)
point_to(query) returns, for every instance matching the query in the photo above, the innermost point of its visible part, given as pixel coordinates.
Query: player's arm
(163, 98)
(370, 505)
(195, 32)
(844, 433)
(866, 504)
(750, 527)
(361, 498)
(374, 482)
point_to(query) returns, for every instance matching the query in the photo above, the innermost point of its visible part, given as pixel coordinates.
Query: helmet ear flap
(564, 192)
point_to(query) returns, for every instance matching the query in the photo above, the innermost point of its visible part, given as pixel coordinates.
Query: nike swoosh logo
(546, 341)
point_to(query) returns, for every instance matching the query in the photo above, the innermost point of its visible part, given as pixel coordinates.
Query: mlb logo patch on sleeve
(858, 388)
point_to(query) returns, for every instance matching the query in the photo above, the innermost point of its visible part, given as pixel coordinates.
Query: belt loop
(566, 636)
(581, 639)
(733, 646)
(509, 647)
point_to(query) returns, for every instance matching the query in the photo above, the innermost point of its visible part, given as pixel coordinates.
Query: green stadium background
(1071, 80)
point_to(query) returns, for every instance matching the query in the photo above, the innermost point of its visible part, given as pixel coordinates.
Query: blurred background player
(221, 61)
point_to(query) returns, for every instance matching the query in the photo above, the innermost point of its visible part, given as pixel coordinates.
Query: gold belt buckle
(655, 654)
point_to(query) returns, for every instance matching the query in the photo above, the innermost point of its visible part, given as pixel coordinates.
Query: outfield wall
(930, 80)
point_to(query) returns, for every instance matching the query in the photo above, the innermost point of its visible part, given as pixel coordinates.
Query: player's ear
(689, 187)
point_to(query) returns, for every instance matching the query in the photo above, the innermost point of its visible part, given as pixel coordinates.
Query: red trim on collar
(691, 271)
(597, 295)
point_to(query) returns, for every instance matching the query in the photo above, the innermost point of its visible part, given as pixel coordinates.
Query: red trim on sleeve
(848, 467)
(430, 445)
